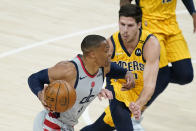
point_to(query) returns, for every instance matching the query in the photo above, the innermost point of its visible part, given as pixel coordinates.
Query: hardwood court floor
(37, 34)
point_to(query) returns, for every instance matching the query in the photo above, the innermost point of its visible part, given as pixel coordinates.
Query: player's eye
(130, 25)
(122, 24)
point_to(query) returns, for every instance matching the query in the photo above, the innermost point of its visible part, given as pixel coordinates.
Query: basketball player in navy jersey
(80, 73)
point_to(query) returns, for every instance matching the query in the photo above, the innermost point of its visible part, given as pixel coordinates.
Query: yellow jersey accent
(133, 62)
(159, 18)
(158, 9)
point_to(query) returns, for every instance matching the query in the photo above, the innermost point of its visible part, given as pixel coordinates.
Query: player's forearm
(150, 78)
(37, 80)
(145, 95)
(189, 4)
(116, 71)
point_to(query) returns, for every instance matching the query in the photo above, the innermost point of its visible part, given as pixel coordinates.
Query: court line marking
(17, 50)
(85, 115)
(181, 12)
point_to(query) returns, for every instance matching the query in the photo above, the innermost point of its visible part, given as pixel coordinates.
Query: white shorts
(45, 122)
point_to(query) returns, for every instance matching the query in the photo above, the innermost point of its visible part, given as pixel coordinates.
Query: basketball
(59, 96)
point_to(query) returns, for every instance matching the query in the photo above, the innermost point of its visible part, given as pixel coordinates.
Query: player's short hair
(131, 10)
(123, 2)
(91, 42)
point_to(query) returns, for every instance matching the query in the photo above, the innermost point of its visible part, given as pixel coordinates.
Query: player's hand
(135, 109)
(130, 82)
(194, 22)
(41, 97)
(106, 94)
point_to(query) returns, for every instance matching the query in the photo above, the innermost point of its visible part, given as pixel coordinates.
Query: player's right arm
(150, 70)
(150, 75)
(62, 71)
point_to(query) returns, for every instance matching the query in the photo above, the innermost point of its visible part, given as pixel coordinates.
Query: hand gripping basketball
(59, 96)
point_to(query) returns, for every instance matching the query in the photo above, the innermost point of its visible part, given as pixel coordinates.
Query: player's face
(128, 28)
(102, 54)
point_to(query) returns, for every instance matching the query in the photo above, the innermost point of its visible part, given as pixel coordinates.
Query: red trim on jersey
(85, 69)
(52, 115)
(46, 130)
(52, 125)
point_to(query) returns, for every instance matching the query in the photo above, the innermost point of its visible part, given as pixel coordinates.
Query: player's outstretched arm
(151, 55)
(61, 71)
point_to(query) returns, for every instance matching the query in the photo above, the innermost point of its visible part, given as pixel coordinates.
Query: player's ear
(92, 53)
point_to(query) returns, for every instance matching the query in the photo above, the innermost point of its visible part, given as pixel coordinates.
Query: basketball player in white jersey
(86, 74)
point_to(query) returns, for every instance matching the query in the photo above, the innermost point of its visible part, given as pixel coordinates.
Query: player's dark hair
(131, 10)
(91, 42)
(123, 2)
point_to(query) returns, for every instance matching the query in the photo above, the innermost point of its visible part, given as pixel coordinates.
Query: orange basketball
(60, 96)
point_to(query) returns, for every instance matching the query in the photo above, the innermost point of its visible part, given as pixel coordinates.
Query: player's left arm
(189, 4)
(151, 55)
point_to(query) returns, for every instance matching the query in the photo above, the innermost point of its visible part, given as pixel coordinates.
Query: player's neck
(90, 65)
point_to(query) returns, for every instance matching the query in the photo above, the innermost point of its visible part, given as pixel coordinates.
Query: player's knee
(186, 77)
(182, 72)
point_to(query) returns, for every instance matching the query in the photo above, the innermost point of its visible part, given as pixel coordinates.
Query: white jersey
(87, 88)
